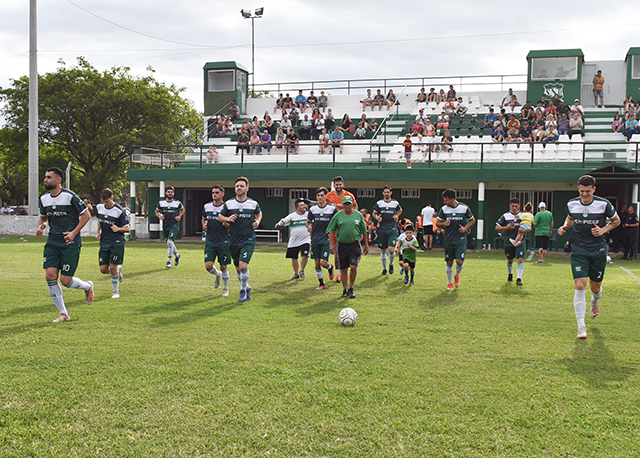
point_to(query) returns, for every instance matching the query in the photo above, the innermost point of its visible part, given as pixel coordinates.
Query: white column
(480, 223)
(161, 192)
(634, 194)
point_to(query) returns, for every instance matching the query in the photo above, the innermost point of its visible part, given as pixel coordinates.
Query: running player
(217, 244)
(170, 212)
(509, 224)
(456, 219)
(244, 216)
(387, 211)
(113, 224)
(66, 215)
(335, 198)
(408, 245)
(299, 239)
(591, 218)
(319, 217)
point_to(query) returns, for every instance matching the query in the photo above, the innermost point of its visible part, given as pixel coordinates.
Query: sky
(300, 40)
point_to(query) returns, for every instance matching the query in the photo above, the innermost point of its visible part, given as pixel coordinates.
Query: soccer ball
(348, 317)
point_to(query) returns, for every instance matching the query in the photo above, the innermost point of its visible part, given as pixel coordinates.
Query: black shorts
(349, 254)
(542, 241)
(412, 265)
(428, 230)
(292, 252)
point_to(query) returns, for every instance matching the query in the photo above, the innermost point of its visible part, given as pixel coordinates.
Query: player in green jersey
(170, 212)
(387, 212)
(591, 218)
(66, 215)
(217, 244)
(113, 224)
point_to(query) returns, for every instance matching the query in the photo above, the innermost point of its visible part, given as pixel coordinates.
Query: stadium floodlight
(245, 14)
(259, 11)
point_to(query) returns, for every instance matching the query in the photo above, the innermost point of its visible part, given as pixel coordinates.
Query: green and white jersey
(459, 216)
(504, 220)
(169, 210)
(241, 231)
(584, 218)
(298, 232)
(349, 227)
(217, 234)
(408, 253)
(63, 213)
(387, 210)
(107, 217)
(320, 217)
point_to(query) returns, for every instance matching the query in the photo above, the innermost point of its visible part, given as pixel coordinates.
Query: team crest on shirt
(53, 205)
(585, 214)
(453, 214)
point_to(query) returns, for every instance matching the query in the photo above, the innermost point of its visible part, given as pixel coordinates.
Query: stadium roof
(555, 53)
(226, 64)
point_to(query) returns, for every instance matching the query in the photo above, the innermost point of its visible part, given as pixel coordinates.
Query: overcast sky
(306, 40)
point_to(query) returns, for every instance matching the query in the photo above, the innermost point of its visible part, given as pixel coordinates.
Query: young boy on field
(408, 245)
(526, 223)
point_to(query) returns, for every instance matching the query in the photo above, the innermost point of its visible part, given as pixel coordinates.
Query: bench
(269, 233)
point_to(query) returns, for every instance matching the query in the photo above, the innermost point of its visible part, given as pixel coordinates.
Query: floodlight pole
(253, 15)
(33, 108)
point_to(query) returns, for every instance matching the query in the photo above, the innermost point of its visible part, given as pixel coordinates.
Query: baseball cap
(421, 109)
(348, 199)
(542, 205)
(576, 100)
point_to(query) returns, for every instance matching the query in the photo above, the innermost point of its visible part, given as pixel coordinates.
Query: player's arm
(442, 224)
(179, 217)
(467, 226)
(124, 229)
(42, 224)
(397, 215)
(257, 221)
(98, 231)
(280, 223)
(159, 214)
(502, 228)
(568, 222)
(611, 225)
(84, 219)
(204, 224)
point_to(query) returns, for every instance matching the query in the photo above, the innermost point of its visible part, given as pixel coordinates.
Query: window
(464, 194)
(298, 194)
(365, 193)
(554, 68)
(635, 67)
(273, 192)
(535, 197)
(221, 80)
(410, 193)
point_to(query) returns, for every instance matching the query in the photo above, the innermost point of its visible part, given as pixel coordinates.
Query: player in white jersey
(299, 238)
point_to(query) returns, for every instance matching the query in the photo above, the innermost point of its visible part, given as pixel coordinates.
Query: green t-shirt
(407, 252)
(387, 210)
(217, 234)
(459, 216)
(584, 217)
(169, 210)
(107, 217)
(63, 214)
(543, 220)
(241, 230)
(349, 227)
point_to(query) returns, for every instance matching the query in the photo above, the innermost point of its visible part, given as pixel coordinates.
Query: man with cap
(543, 223)
(349, 225)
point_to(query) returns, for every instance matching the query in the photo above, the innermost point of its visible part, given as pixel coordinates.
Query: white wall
(26, 226)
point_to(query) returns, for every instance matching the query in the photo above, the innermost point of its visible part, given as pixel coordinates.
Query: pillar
(132, 205)
(480, 217)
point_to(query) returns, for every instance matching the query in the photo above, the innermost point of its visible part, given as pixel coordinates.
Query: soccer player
(217, 244)
(244, 216)
(170, 212)
(349, 226)
(66, 215)
(318, 218)
(408, 245)
(335, 198)
(299, 239)
(113, 224)
(591, 218)
(509, 224)
(456, 219)
(387, 211)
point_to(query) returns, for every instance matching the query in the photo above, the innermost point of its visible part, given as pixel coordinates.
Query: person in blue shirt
(301, 101)
(490, 118)
(337, 138)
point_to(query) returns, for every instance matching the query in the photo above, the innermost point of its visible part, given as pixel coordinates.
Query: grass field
(173, 369)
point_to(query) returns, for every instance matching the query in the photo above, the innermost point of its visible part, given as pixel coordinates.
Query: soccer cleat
(384, 271)
(302, 275)
(595, 307)
(539, 262)
(225, 291)
(411, 283)
(89, 297)
(216, 283)
(331, 272)
(320, 288)
(582, 332)
(248, 298)
(450, 286)
(456, 280)
(519, 281)
(120, 277)
(115, 296)
(294, 277)
(177, 259)
(390, 269)
(351, 292)
(61, 318)
(510, 277)
(243, 296)
(406, 279)
(168, 264)
(345, 293)
(338, 278)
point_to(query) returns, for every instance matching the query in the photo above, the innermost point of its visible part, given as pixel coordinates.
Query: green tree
(91, 118)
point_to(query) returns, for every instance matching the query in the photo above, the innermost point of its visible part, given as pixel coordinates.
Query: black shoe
(390, 269)
(519, 281)
(510, 277)
(345, 293)
(352, 294)
(384, 271)
(406, 279)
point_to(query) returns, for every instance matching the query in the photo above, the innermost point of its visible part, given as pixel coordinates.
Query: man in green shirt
(543, 222)
(350, 225)
(66, 215)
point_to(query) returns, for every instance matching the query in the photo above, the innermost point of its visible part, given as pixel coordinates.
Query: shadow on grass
(29, 310)
(595, 363)
(329, 304)
(177, 305)
(510, 289)
(195, 315)
(445, 299)
(139, 273)
(21, 329)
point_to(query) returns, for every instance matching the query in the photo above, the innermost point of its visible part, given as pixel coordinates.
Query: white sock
(169, 249)
(225, 278)
(449, 270)
(596, 297)
(319, 274)
(580, 305)
(520, 269)
(383, 257)
(329, 267)
(510, 268)
(115, 283)
(214, 271)
(459, 269)
(244, 278)
(56, 294)
(392, 256)
(76, 283)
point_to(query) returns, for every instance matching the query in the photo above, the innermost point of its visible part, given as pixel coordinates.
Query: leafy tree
(91, 118)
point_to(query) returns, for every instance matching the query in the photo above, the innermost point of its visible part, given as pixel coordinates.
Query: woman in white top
(421, 147)
(324, 141)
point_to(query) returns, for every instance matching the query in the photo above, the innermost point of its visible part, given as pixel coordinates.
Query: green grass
(173, 369)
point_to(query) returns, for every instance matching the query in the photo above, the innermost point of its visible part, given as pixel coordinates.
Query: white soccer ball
(348, 317)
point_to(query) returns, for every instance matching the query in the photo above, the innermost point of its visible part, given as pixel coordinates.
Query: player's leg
(315, 255)
(412, 266)
(210, 254)
(304, 258)
(292, 253)
(459, 266)
(296, 268)
(597, 265)
(510, 253)
(103, 261)
(580, 270)
(116, 258)
(392, 238)
(246, 252)
(449, 257)
(383, 258)
(70, 257)
(51, 271)
(324, 260)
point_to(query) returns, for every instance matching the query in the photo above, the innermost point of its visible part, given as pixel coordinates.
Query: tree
(92, 118)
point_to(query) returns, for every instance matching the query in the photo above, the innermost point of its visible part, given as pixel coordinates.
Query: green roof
(632, 52)
(227, 64)
(556, 53)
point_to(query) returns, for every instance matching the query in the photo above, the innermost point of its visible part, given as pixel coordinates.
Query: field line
(630, 273)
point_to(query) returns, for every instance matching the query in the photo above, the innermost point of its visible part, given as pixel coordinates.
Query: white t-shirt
(427, 215)
(298, 235)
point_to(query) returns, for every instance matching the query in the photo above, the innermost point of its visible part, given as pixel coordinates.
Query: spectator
(229, 130)
(562, 109)
(498, 134)
(6, 210)
(265, 142)
(421, 118)
(361, 132)
(628, 102)
(337, 139)
(243, 142)
(294, 115)
(514, 101)
(421, 147)
(543, 101)
(318, 126)
(451, 94)
(526, 112)
(490, 118)
(550, 135)
(269, 125)
(500, 121)
(286, 123)
(221, 126)
(323, 141)
(255, 143)
(407, 150)
(563, 125)
(538, 130)
(577, 108)
(301, 102)
(447, 140)
(598, 87)
(443, 121)
(449, 107)
(430, 131)
(513, 122)
(329, 120)
(555, 101)
(512, 135)
(255, 123)
(442, 97)
(422, 96)
(347, 125)
(461, 107)
(550, 121)
(305, 128)
(368, 100)
(280, 138)
(550, 109)
(279, 103)
(630, 127)
(378, 101)
(525, 133)
(433, 95)
(212, 155)
(373, 125)
(616, 125)
(315, 113)
(363, 120)
(312, 100)
(417, 127)
(575, 125)
(293, 141)
(323, 101)
(288, 102)
(507, 98)
(235, 111)
(391, 99)
(539, 109)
